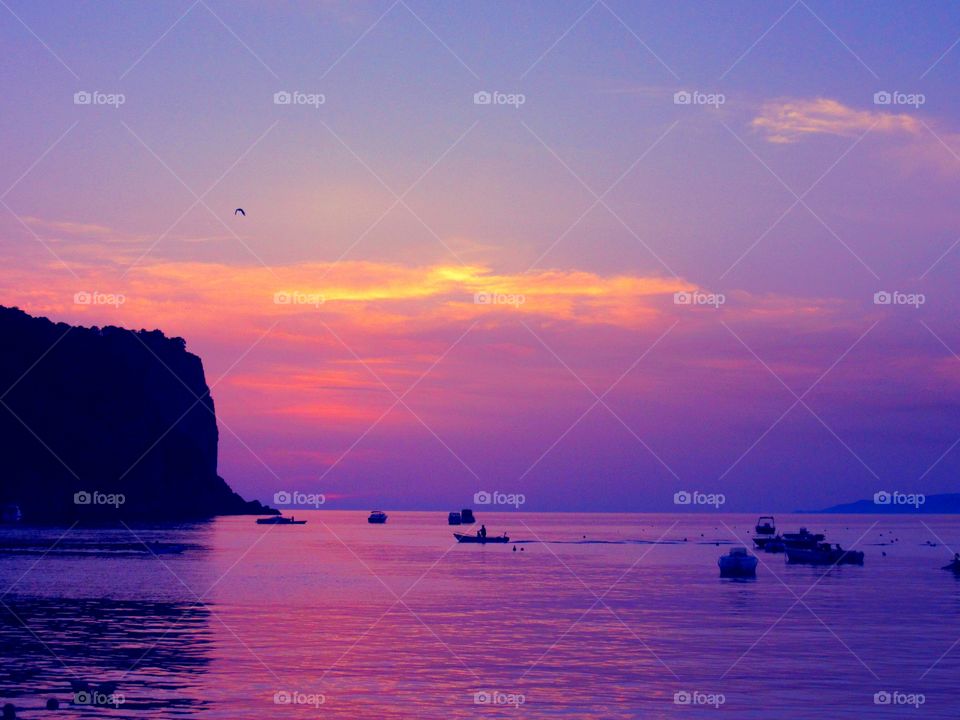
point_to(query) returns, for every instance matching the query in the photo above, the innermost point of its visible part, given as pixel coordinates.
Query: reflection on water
(55, 644)
(586, 616)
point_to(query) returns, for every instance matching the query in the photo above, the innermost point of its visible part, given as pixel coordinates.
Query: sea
(578, 616)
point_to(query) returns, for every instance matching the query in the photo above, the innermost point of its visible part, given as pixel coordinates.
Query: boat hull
(803, 556)
(480, 540)
(738, 567)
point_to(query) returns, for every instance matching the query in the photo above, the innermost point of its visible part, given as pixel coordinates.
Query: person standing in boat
(482, 532)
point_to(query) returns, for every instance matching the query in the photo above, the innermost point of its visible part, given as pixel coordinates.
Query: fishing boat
(823, 554)
(377, 517)
(278, 520)
(466, 516)
(954, 565)
(738, 563)
(454, 518)
(464, 538)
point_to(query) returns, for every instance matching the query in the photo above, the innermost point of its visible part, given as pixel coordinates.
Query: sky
(686, 246)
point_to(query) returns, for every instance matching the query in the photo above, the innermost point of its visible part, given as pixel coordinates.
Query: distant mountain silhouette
(89, 414)
(944, 504)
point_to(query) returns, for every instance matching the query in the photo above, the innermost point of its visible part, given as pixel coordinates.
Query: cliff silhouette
(106, 424)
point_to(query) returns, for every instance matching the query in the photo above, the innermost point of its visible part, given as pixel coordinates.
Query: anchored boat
(278, 520)
(377, 517)
(823, 554)
(738, 563)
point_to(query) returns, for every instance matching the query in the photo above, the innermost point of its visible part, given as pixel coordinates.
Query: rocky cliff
(106, 424)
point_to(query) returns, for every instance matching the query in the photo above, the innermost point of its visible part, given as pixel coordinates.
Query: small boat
(454, 518)
(377, 517)
(464, 538)
(466, 516)
(738, 563)
(278, 520)
(803, 539)
(766, 525)
(773, 545)
(823, 554)
(953, 565)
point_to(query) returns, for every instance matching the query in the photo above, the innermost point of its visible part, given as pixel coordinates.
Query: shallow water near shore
(581, 616)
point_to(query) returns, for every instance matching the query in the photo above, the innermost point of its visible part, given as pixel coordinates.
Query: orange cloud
(788, 121)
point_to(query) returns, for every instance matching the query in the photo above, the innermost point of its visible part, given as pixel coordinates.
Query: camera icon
(82, 98)
(482, 97)
(882, 298)
(82, 298)
(482, 497)
(282, 298)
(682, 298)
(482, 298)
(882, 97)
(682, 97)
(82, 498)
(882, 698)
(682, 498)
(282, 697)
(482, 698)
(682, 697)
(282, 498)
(282, 97)
(882, 498)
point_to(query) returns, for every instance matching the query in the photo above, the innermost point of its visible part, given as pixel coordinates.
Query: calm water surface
(585, 616)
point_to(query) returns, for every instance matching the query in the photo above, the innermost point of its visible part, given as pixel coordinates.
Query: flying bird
(239, 210)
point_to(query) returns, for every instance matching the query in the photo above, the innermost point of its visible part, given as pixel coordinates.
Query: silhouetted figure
(483, 532)
(53, 704)
(9, 712)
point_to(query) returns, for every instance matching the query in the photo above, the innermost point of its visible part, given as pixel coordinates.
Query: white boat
(738, 563)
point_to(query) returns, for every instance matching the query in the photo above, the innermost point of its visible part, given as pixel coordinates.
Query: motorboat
(466, 516)
(766, 525)
(823, 554)
(738, 563)
(953, 565)
(803, 539)
(278, 520)
(377, 517)
(454, 518)
(464, 538)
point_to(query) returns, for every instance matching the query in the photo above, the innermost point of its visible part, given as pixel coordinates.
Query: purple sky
(816, 164)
